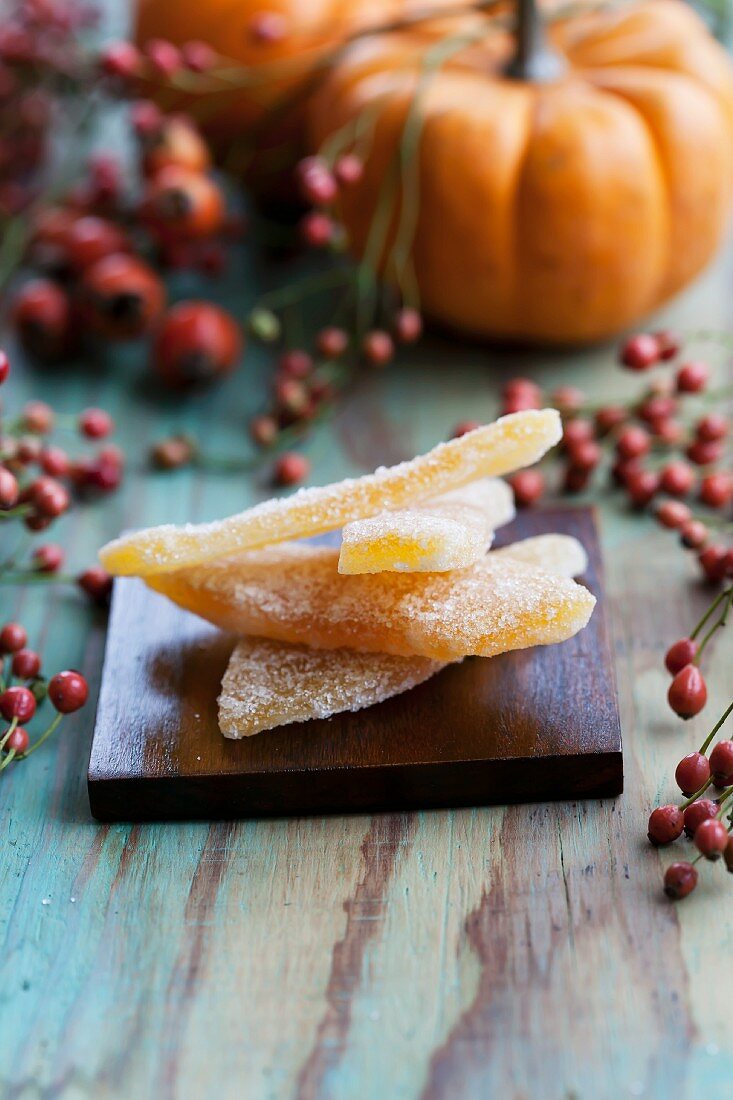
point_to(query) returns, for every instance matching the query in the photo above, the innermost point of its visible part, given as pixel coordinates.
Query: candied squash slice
(449, 532)
(294, 593)
(509, 443)
(561, 554)
(270, 684)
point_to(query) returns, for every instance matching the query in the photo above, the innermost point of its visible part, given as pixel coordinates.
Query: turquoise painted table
(521, 952)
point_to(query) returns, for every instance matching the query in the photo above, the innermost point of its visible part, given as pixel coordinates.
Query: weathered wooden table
(521, 952)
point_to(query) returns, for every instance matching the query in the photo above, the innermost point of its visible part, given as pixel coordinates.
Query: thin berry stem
(716, 625)
(8, 760)
(696, 795)
(44, 737)
(707, 742)
(13, 725)
(710, 611)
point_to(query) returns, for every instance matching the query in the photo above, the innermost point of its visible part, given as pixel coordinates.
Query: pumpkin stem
(533, 60)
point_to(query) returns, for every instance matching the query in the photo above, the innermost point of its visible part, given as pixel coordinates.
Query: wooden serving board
(528, 726)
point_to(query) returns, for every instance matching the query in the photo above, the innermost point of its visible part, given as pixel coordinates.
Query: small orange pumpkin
(548, 206)
(282, 42)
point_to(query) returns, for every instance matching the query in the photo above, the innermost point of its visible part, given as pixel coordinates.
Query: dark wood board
(528, 726)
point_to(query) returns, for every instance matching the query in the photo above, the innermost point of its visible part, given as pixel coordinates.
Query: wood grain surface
(523, 952)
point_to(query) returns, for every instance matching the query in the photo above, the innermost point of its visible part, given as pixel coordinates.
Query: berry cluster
(659, 458)
(39, 482)
(98, 254)
(23, 690)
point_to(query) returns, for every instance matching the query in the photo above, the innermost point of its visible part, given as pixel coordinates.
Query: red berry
(48, 558)
(692, 377)
(196, 342)
(290, 469)
(716, 490)
(17, 702)
(96, 583)
(633, 442)
(694, 534)
(120, 59)
(669, 432)
(95, 423)
(668, 343)
(711, 838)
(164, 57)
(49, 497)
(174, 141)
(291, 396)
(18, 741)
(295, 363)
(146, 118)
(575, 480)
(173, 453)
(68, 691)
(38, 417)
(693, 771)
(640, 352)
(682, 653)
(263, 430)
(332, 342)
(199, 57)
(528, 487)
(704, 454)
(41, 314)
(268, 27)
(676, 478)
(688, 692)
(721, 763)
(523, 389)
(55, 462)
(184, 203)
(26, 664)
(9, 490)
(378, 347)
(656, 408)
(641, 487)
(4, 367)
(12, 638)
(348, 169)
(90, 239)
(575, 432)
(714, 562)
(407, 325)
(464, 427)
(317, 183)
(672, 514)
(697, 812)
(679, 880)
(665, 825)
(585, 456)
(609, 417)
(317, 229)
(712, 428)
(123, 296)
(567, 398)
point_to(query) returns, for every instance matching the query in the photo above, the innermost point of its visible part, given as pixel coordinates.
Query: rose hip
(18, 741)
(711, 838)
(680, 879)
(640, 352)
(692, 377)
(679, 654)
(697, 812)
(687, 693)
(693, 771)
(17, 702)
(673, 514)
(528, 487)
(26, 664)
(68, 691)
(665, 825)
(12, 638)
(676, 478)
(721, 763)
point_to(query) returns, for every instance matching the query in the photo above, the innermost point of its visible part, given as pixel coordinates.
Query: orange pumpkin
(558, 209)
(281, 41)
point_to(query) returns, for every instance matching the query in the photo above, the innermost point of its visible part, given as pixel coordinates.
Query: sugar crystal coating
(509, 443)
(449, 532)
(270, 683)
(294, 593)
(560, 554)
